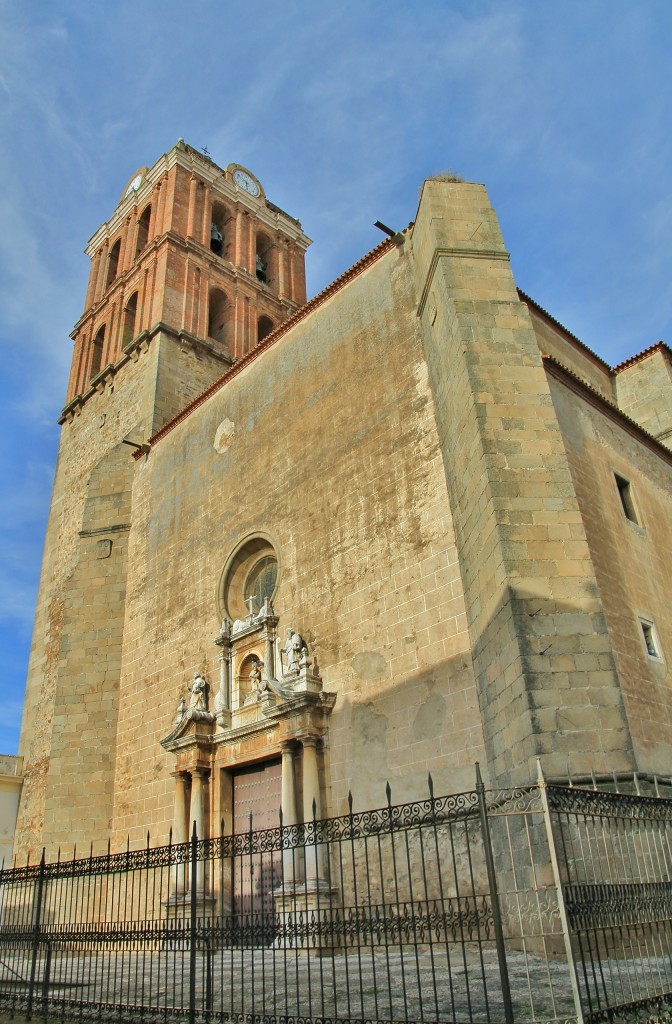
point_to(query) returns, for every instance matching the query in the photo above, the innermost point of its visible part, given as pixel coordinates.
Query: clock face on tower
(245, 181)
(135, 185)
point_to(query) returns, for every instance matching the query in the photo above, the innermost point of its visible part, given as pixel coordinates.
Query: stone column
(282, 259)
(207, 220)
(154, 214)
(192, 206)
(197, 815)
(131, 241)
(122, 250)
(161, 189)
(288, 800)
(292, 274)
(180, 826)
(93, 280)
(252, 247)
(102, 271)
(311, 792)
(223, 696)
(238, 249)
(269, 655)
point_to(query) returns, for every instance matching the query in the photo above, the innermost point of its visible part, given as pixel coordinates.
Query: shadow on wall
(399, 733)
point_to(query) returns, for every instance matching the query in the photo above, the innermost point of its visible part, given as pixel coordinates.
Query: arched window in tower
(97, 353)
(143, 230)
(218, 229)
(263, 258)
(218, 318)
(264, 327)
(130, 314)
(113, 262)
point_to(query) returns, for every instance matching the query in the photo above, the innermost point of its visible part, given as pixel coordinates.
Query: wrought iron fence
(542, 904)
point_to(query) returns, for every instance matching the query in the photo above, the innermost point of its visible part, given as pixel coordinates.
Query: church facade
(298, 549)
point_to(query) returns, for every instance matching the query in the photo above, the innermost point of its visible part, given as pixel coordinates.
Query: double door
(258, 871)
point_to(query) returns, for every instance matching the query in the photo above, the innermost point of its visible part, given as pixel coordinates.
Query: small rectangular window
(650, 639)
(627, 500)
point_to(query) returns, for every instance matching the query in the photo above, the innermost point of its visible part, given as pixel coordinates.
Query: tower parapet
(192, 249)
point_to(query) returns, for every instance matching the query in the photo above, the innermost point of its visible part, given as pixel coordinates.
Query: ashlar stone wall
(632, 561)
(532, 599)
(331, 448)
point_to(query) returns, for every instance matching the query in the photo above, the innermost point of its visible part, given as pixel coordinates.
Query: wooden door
(256, 801)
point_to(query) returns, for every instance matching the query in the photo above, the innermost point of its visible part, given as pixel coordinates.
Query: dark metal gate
(543, 904)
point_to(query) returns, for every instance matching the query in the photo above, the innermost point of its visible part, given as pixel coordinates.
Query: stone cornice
(208, 171)
(459, 252)
(271, 718)
(198, 252)
(115, 528)
(132, 350)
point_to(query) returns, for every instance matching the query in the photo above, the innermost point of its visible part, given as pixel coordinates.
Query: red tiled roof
(609, 407)
(659, 346)
(527, 299)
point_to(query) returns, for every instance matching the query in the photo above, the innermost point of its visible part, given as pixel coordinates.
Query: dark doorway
(256, 806)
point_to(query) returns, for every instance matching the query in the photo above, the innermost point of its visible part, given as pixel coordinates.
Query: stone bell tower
(194, 253)
(193, 270)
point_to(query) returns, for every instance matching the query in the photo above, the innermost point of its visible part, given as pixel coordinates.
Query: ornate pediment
(261, 683)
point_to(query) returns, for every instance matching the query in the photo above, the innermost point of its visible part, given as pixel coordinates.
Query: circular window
(251, 571)
(260, 583)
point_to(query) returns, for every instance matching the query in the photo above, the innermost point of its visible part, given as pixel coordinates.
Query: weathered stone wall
(533, 604)
(66, 586)
(68, 736)
(446, 519)
(633, 563)
(331, 447)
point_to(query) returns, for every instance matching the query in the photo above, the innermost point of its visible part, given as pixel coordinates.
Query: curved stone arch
(242, 561)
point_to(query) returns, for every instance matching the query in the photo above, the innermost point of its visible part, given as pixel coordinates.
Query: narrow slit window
(650, 639)
(627, 500)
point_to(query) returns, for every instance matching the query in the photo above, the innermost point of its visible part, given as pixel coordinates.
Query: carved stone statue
(199, 690)
(181, 710)
(255, 677)
(293, 647)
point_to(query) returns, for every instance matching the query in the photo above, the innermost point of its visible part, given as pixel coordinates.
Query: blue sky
(562, 109)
